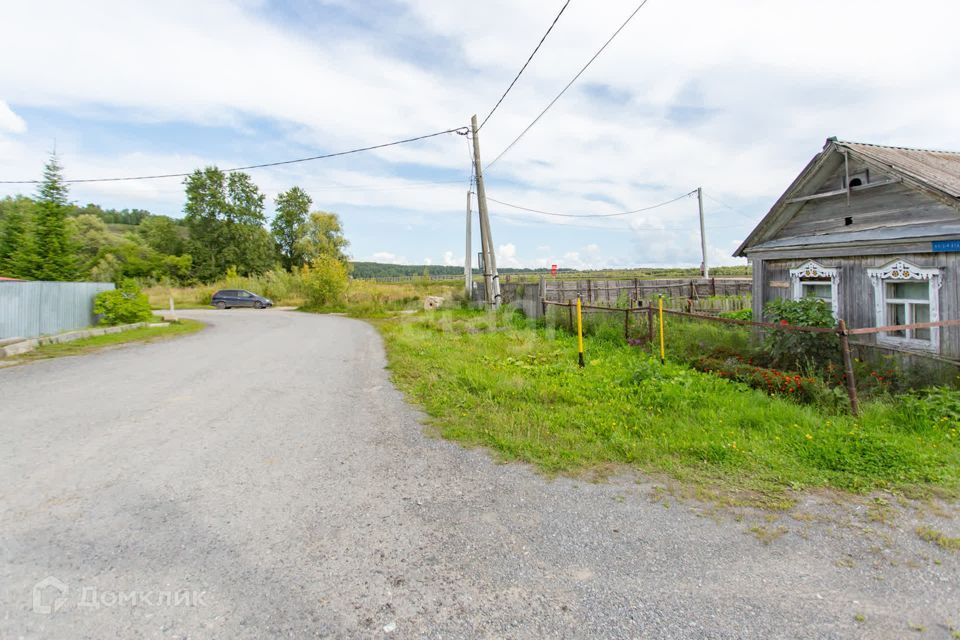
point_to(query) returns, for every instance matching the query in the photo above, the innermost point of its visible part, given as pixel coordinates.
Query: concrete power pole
(467, 257)
(703, 234)
(491, 279)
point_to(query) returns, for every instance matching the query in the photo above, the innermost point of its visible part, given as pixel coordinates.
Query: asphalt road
(262, 478)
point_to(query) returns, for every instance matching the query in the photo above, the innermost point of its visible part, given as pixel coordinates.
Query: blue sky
(732, 96)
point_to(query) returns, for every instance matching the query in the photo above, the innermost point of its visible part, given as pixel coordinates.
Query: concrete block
(432, 302)
(17, 348)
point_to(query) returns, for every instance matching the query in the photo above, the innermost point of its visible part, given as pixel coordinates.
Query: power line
(618, 228)
(375, 187)
(724, 204)
(458, 130)
(523, 68)
(569, 84)
(592, 215)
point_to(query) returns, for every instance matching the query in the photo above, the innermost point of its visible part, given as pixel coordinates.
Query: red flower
(784, 323)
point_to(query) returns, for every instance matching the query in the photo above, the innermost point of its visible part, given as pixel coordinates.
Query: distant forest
(363, 270)
(383, 270)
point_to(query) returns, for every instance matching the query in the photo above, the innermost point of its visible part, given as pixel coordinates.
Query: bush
(794, 349)
(125, 305)
(772, 381)
(324, 281)
(935, 407)
(740, 314)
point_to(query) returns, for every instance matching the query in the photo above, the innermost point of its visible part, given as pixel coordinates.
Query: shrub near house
(125, 305)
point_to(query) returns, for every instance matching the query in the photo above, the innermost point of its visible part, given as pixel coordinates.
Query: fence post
(713, 286)
(543, 305)
(580, 361)
(626, 324)
(848, 369)
(570, 313)
(663, 355)
(649, 323)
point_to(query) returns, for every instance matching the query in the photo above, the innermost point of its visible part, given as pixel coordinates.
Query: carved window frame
(814, 271)
(903, 271)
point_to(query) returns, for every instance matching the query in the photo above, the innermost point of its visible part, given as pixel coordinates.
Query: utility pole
(491, 279)
(467, 258)
(703, 234)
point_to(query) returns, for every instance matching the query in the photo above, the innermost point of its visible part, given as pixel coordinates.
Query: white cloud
(387, 257)
(738, 104)
(449, 261)
(10, 121)
(508, 250)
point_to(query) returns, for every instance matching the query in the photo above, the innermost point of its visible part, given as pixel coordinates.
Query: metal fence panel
(30, 309)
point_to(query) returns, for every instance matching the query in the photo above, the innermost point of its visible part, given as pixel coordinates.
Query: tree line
(46, 237)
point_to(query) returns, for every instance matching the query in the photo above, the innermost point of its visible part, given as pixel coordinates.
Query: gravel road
(262, 478)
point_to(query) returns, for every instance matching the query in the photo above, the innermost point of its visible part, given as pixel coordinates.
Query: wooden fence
(841, 331)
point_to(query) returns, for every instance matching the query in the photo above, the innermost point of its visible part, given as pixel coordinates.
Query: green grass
(498, 382)
(937, 537)
(88, 345)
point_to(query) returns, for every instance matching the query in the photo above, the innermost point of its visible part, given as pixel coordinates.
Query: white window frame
(816, 272)
(903, 271)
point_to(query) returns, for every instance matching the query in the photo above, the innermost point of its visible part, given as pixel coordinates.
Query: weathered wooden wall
(883, 206)
(856, 294)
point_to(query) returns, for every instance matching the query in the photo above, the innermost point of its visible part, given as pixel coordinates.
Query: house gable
(884, 203)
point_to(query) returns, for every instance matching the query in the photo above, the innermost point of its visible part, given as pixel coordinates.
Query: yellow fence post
(663, 355)
(579, 333)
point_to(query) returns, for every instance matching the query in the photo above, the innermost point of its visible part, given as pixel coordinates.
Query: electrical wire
(592, 215)
(458, 130)
(724, 204)
(569, 84)
(523, 68)
(618, 228)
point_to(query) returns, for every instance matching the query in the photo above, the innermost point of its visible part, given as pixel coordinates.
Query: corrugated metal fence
(30, 309)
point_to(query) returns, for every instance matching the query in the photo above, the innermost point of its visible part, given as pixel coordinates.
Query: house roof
(935, 171)
(940, 169)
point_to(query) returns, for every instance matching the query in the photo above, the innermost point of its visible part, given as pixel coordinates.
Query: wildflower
(809, 437)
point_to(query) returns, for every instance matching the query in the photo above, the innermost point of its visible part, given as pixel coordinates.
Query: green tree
(162, 234)
(288, 225)
(54, 251)
(324, 281)
(224, 214)
(323, 236)
(18, 249)
(89, 236)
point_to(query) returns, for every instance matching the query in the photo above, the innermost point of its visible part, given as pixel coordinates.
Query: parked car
(226, 298)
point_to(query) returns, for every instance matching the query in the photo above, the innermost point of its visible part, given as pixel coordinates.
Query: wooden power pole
(491, 279)
(467, 257)
(703, 234)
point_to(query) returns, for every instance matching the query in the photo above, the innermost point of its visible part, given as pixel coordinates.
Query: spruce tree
(55, 253)
(18, 250)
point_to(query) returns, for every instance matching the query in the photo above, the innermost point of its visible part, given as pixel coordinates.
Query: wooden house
(874, 231)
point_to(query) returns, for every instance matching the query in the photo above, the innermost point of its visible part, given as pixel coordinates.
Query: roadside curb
(17, 346)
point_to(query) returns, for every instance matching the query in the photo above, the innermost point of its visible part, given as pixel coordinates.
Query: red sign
(553, 270)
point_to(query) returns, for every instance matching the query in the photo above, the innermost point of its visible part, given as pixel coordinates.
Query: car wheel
(221, 305)
(258, 304)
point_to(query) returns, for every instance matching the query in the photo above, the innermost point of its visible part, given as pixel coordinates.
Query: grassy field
(503, 383)
(88, 345)
(366, 298)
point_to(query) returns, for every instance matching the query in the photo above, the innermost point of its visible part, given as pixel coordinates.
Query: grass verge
(502, 383)
(89, 345)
